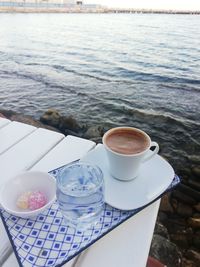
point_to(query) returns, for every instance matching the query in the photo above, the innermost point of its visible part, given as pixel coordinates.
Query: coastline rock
(197, 207)
(184, 210)
(194, 256)
(51, 117)
(180, 239)
(188, 263)
(162, 216)
(165, 204)
(2, 116)
(183, 197)
(196, 240)
(161, 230)
(165, 251)
(174, 203)
(194, 184)
(69, 124)
(189, 191)
(94, 132)
(194, 159)
(194, 222)
(7, 113)
(185, 171)
(175, 225)
(196, 171)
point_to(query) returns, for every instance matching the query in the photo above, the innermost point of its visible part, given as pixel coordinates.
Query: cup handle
(154, 152)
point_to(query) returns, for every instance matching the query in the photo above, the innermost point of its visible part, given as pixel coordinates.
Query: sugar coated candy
(36, 200)
(22, 201)
(31, 200)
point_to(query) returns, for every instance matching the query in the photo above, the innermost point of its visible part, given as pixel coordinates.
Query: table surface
(46, 241)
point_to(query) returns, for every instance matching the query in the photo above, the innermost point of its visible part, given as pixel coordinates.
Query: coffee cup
(127, 148)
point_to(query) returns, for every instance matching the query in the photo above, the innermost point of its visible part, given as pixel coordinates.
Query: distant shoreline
(82, 9)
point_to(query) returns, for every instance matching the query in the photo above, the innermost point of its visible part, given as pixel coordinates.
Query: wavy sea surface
(140, 70)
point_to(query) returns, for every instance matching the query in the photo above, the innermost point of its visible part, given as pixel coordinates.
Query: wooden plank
(11, 261)
(5, 246)
(26, 153)
(12, 133)
(69, 149)
(4, 122)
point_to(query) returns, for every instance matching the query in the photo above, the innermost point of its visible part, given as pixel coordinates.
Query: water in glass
(80, 194)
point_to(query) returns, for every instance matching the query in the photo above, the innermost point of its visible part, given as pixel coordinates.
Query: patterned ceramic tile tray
(46, 241)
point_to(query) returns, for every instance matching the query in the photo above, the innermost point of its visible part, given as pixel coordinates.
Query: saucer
(154, 178)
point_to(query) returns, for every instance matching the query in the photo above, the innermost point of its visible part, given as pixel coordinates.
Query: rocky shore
(176, 241)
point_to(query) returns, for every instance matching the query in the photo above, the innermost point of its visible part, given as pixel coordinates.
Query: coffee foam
(127, 141)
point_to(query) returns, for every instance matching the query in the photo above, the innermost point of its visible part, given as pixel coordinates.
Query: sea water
(141, 70)
(80, 195)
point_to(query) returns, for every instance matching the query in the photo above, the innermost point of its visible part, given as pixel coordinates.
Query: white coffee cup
(127, 148)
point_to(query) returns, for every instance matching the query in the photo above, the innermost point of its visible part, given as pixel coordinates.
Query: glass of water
(80, 194)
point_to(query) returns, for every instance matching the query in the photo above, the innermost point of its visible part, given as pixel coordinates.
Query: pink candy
(32, 200)
(36, 200)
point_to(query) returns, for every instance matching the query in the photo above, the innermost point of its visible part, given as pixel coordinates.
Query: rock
(188, 263)
(7, 113)
(174, 203)
(182, 237)
(194, 256)
(196, 171)
(184, 210)
(162, 217)
(194, 159)
(69, 123)
(197, 207)
(165, 251)
(196, 215)
(175, 225)
(94, 132)
(189, 191)
(183, 197)
(194, 184)
(161, 230)
(184, 171)
(51, 117)
(2, 116)
(180, 240)
(194, 222)
(196, 240)
(165, 204)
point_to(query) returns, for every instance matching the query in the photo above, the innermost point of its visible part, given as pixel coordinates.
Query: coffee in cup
(127, 148)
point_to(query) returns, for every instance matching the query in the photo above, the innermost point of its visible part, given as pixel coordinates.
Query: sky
(154, 4)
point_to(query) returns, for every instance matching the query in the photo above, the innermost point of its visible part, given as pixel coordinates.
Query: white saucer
(154, 178)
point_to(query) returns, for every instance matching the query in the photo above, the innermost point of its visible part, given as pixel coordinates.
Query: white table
(24, 147)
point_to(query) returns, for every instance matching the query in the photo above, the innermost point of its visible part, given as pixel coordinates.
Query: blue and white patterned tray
(47, 241)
